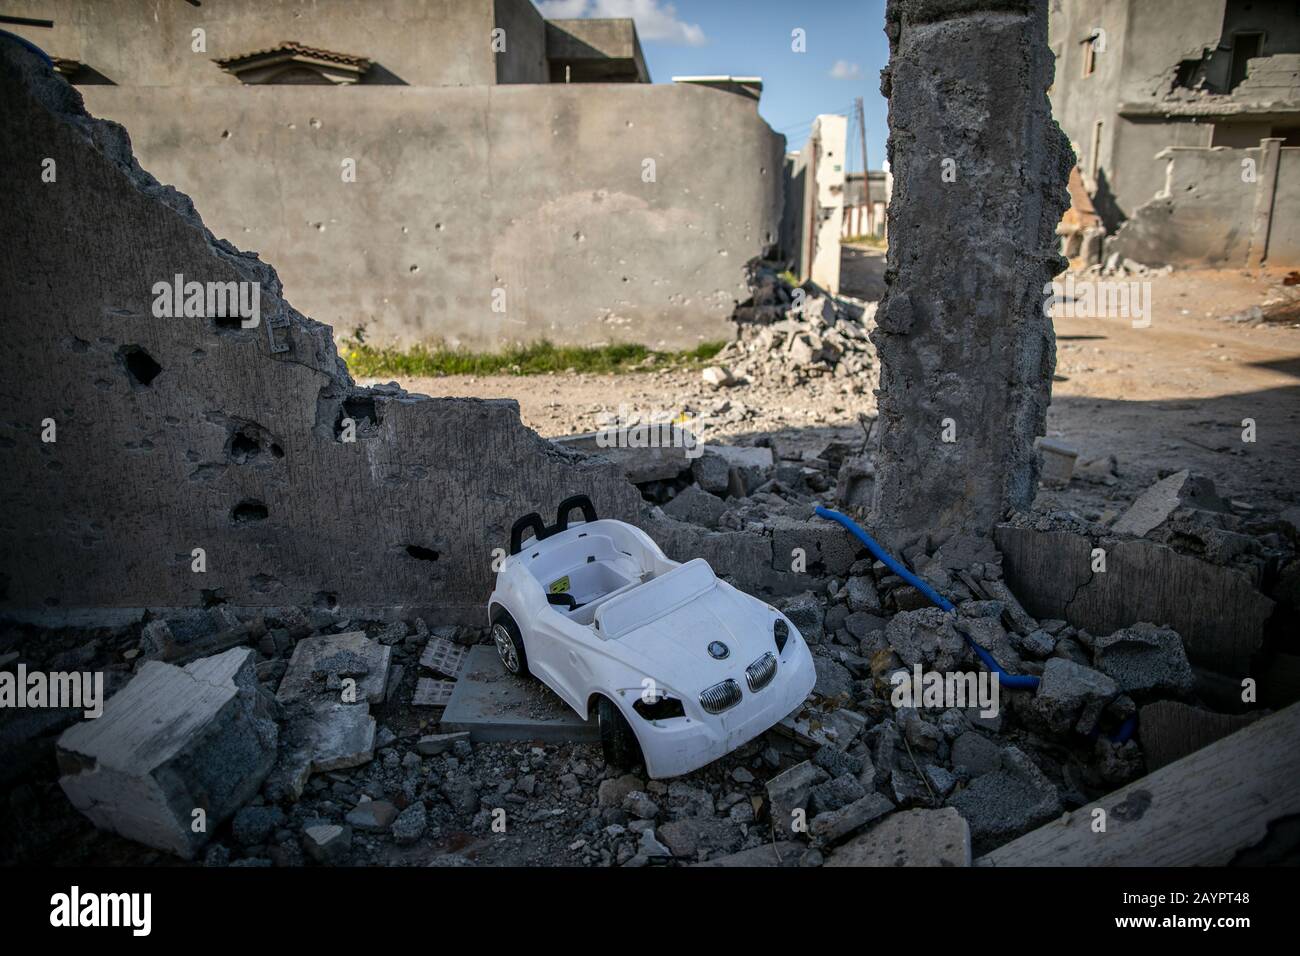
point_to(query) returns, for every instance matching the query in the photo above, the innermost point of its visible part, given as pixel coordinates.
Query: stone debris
(1058, 460)
(789, 792)
(911, 838)
(696, 506)
(832, 825)
(791, 334)
(172, 740)
(1072, 696)
(372, 815)
(781, 853)
(1145, 659)
(1155, 505)
(1006, 802)
(717, 376)
(327, 843)
(323, 663)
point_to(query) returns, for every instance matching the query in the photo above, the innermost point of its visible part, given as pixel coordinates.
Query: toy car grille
(719, 697)
(760, 673)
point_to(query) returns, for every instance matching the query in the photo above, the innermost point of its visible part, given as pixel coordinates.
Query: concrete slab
(173, 739)
(492, 704)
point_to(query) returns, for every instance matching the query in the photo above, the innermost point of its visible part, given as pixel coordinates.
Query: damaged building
(1185, 118)
(458, 171)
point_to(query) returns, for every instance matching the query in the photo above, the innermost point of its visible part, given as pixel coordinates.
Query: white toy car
(678, 667)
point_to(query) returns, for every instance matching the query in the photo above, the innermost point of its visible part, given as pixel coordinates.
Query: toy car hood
(693, 629)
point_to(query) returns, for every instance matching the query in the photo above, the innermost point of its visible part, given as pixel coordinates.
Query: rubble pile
(362, 772)
(791, 334)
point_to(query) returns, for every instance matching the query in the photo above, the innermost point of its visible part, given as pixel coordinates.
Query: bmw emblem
(719, 651)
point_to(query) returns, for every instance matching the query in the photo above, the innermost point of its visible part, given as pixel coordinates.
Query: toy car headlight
(781, 633)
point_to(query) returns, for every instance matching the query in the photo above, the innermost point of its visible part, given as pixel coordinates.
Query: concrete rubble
(790, 334)
(912, 838)
(299, 487)
(172, 742)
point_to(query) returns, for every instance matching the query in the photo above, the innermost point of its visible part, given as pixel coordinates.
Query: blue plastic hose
(1014, 681)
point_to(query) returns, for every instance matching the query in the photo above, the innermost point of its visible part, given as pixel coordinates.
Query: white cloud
(655, 20)
(844, 70)
(562, 9)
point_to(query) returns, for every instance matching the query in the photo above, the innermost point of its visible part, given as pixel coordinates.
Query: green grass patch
(537, 358)
(876, 242)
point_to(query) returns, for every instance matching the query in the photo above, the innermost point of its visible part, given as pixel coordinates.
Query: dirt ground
(1168, 396)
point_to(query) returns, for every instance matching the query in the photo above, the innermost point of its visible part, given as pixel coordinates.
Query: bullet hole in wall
(249, 510)
(244, 447)
(248, 443)
(139, 365)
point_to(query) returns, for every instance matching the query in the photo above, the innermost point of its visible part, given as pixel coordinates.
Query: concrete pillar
(980, 171)
(1265, 192)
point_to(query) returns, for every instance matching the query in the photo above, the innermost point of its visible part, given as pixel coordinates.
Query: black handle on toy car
(533, 521)
(566, 508)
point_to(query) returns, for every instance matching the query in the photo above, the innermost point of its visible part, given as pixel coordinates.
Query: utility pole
(866, 177)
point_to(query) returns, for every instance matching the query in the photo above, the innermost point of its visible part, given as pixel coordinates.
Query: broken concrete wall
(966, 352)
(176, 434)
(1218, 207)
(1218, 611)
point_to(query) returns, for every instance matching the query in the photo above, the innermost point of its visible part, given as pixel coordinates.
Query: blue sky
(846, 49)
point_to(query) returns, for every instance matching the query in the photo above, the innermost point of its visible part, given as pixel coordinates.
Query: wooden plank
(1198, 811)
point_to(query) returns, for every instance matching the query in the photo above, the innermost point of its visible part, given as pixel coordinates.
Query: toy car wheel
(617, 739)
(510, 646)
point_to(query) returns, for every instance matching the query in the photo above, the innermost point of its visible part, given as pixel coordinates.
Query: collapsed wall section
(966, 351)
(154, 461)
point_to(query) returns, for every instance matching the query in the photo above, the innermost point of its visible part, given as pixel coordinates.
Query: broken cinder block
(173, 741)
(320, 664)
